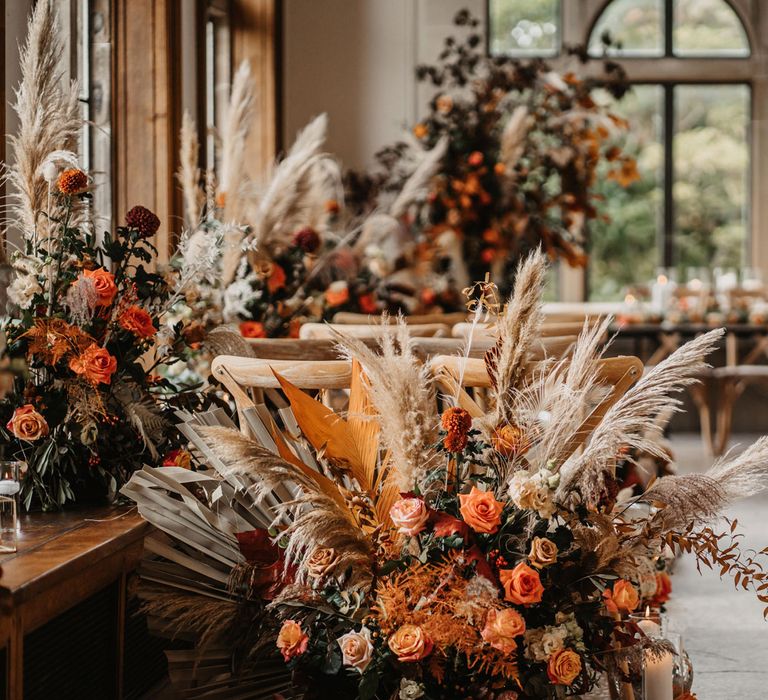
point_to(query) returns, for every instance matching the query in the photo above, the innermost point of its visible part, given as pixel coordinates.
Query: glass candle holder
(9, 505)
(658, 669)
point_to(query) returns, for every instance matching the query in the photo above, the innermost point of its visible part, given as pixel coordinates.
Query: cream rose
(501, 628)
(356, 649)
(27, 424)
(321, 562)
(543, 552)
(410, 643)
(409, 515)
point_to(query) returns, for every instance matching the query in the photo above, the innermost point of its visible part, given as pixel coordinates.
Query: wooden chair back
(345, 318)
(368, 330)
(548, 328)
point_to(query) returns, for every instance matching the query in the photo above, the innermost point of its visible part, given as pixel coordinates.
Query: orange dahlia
(72, 181)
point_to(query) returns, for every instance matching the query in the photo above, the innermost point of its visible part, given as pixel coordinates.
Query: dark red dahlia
(307, 239)
(142, 220)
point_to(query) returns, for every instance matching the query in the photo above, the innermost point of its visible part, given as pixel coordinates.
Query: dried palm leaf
(225, 340)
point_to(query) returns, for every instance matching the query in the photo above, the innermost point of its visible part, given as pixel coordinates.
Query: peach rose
(409, 515)
(137, 321)
(103, 284)
(252, 329)
(564, 666)
(321, 562)
(291, 641)
(522, 585)
(95, 364)
(481, 511)
(543, 552)
(501, 628)
(410, 643)
(356, 649)
(27, 424)
(623, 598)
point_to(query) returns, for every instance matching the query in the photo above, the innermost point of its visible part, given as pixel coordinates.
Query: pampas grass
(317, 520)
(518, 328)
(626, 423)
(188, 174)
(402, 391)
(417, 185)
(49, 120)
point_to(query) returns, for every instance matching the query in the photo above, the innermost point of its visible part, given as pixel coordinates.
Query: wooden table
(65, 559)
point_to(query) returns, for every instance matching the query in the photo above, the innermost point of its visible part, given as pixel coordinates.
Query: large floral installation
(262, 244)
(86, 310)
(519, 172)
(401, 551)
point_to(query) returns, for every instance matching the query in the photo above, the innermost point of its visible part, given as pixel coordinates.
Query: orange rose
(103, 283)
(137, 321)
(564, 666)
(623, 597)
(178, 458)
(420, 131)
(509, 441)
(410, 643)
(481, 511)
(321, 562)
(543, 552)
(337, 293)
(501, 628)
(663, 588)
(475, 158)
(367, 304)
(291, 641)
(27, 424)
(95, 364)
(522, 585)
(252, 329)
(276, 280)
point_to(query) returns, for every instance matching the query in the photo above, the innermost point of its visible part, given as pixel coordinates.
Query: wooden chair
(345, 318)
(369, 330)
(548, 330)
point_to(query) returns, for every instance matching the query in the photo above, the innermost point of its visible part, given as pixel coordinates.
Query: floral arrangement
(85, 322)
(255, 251)
(402, 551)
(519, 172)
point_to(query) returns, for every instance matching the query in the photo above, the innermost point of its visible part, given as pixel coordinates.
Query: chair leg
(728, 397)
(700, 395)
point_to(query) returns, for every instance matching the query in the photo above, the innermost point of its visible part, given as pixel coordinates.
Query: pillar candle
(657, 676)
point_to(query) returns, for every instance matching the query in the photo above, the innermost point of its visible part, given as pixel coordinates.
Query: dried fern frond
(49, 119)
(626, 423)
(698, 498)
(145, 416)
(402, 391)
(517, 329)
(188, 174)
(317, 520)
(417, 185)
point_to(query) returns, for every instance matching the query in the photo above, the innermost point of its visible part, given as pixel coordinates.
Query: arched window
(696, 115)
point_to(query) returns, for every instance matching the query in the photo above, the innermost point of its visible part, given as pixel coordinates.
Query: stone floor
(725, 634)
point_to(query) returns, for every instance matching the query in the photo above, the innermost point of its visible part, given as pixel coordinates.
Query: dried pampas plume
(401, 390)
(317, 520)
(518, 328)
(188, 174)
(626, 422)
(698, 498)
(513, 139)
(49, 118)
(417, 185)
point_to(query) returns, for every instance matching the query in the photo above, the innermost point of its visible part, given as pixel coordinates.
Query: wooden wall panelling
(255, 26)
(147, 112)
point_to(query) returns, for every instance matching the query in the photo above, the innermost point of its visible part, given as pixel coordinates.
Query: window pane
(524, 27)
(635, 24)
(708, 27)
(711, 175)
(625, 249)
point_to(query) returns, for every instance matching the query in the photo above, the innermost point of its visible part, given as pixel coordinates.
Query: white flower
(553, 640)
(356, 649)
(236, 297)
(410, 690)
(23, 289)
